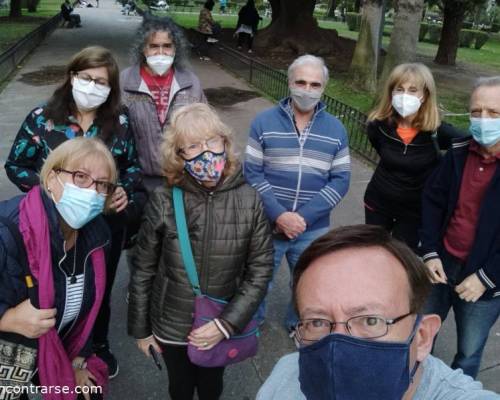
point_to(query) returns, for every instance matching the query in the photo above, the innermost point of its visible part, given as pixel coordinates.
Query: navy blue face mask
(342, 367)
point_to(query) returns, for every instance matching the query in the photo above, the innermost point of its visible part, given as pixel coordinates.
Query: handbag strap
(21, 250)
(184, 242)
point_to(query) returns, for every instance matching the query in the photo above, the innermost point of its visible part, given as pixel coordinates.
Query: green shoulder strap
(184, 242)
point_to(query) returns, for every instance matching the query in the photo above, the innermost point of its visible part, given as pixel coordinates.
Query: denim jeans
(473, 320)
(291, 249)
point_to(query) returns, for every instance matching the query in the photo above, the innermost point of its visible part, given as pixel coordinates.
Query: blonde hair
(427, 118)
(195, 121)
(73, 153)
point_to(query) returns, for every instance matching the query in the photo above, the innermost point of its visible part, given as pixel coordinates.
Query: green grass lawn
(11, 30)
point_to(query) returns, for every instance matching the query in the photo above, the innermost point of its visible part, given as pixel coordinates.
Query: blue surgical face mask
(341, 367)
(485, 131)
(78, 206)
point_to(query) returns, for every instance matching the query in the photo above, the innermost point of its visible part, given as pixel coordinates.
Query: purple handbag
(228, 351)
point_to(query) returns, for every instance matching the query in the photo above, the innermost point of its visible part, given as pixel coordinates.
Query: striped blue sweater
(308, 174)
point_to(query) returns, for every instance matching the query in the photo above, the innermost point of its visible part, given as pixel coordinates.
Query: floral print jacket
(38, 136)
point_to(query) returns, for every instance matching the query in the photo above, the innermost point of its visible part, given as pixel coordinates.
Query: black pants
(184, 377)
(404, 229)
(101, 326)
(242, 37)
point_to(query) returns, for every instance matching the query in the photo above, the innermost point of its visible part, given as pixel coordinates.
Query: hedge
(466, 37)
(353, 21)
(435, 33)
(424, 28)
(481, 39)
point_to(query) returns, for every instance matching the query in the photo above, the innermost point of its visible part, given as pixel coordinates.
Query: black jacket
(232, 248)
(248, 16)
(397, 183)
(439, 202)
(13, 290)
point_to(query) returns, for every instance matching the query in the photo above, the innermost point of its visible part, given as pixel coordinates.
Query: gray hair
(486, 82)
(308, 59)
(152, 24)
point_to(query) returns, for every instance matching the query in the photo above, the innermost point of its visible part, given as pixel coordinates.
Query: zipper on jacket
(208, 229)
(400, 141)
(302, 141)
(83, 295)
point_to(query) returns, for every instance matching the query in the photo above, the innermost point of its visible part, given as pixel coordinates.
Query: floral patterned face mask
(207, 166)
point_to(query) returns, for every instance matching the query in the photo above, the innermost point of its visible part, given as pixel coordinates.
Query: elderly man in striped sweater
(298, 160)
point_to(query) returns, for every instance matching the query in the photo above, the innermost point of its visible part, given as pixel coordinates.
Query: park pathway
(139, 379)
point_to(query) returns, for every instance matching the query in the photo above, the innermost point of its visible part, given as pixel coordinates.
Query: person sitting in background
(206, 23)
(360, 295)
(248, 22)
(68, 15)
(65, 239)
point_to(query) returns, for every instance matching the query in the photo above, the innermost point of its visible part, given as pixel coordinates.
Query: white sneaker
(212, 40)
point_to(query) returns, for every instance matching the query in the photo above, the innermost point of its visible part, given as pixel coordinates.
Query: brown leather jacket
(233, 251)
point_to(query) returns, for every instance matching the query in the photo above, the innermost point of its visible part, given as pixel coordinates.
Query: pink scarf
(54, 356)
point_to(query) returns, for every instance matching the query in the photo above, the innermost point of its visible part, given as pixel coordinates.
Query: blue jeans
(473, 320)
(292, 249)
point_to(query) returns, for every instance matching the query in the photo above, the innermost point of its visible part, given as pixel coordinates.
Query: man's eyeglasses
(362, 326)
(85, 79)
(84, 181)
(216, 144)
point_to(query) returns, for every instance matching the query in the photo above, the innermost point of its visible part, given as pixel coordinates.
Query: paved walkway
(139, 378)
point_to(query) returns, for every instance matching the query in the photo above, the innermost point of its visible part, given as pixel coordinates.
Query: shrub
(481, 39)
(353, 21)
(424, 28)
(467, 25)
(467, 37)
(495, 27)
(435, 33)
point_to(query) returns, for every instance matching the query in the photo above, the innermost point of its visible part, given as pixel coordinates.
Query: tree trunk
(275, 9)
(404, 37)
(32, 4)
(332, 5)
(454, 14)
(15, 9)
(365, 59)
(294, 30)
(357, 6)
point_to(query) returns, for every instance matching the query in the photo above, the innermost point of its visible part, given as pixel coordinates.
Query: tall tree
(364, 62)
(404, 36)
(15, 9)
(453, 16)
(332, 5)
(294, 28)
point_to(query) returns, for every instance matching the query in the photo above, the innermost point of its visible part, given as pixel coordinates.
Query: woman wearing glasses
(59, 224)
(86, 104)
(232, 247)
(406, 130)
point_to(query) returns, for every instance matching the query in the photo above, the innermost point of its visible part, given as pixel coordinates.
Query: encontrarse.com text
(8, 390)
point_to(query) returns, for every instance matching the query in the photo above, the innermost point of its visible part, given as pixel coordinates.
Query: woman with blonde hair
(406, 130)
(231, 244)
(49, 315)
(87, 103)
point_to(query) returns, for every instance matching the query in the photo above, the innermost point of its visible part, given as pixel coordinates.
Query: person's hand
(435, 267)
(291, 224)
(471, 288)
(206, 336)
(84, 377)
(119, 200)
(144, 344)
(27, 320)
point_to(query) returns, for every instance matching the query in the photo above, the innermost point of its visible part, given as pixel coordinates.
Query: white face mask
(88, 96)
(305, 100)
(160, 64)
(406, 104)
